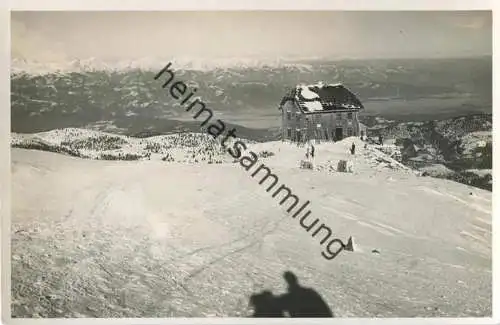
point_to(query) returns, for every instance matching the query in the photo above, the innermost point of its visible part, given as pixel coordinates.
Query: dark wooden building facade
(321, 112)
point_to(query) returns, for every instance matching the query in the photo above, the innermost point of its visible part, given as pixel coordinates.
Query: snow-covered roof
(322, 97)
(307, 93)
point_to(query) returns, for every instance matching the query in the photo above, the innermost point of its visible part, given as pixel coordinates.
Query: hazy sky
(56, 36)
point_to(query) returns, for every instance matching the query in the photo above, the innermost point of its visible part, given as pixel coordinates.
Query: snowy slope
(192, 148)
(92, 144)
(155, 239)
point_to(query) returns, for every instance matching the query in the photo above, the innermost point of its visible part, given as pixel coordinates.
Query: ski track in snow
(456, 198)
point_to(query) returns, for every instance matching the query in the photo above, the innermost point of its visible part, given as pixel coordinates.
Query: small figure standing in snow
(380, 140)
(312, 151)
(307, 153)
(353, 149)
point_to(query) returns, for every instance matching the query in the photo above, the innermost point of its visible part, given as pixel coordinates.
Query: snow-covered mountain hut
(318, 111)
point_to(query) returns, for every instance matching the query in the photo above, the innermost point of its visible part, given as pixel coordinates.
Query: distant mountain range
(130, 100)
(437, 112)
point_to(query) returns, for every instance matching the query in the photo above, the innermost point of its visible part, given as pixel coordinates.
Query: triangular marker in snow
(349, 247)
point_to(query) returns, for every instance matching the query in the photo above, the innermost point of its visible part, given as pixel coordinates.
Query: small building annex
(320, 112)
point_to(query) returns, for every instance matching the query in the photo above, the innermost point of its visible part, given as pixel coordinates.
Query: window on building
(308, 123)
(349, 116)
(349, 132)
(299, 135)
(288, 115)
(338, 119)
(289, 133)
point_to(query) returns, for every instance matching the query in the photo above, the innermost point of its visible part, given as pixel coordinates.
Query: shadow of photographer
(299, 301)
